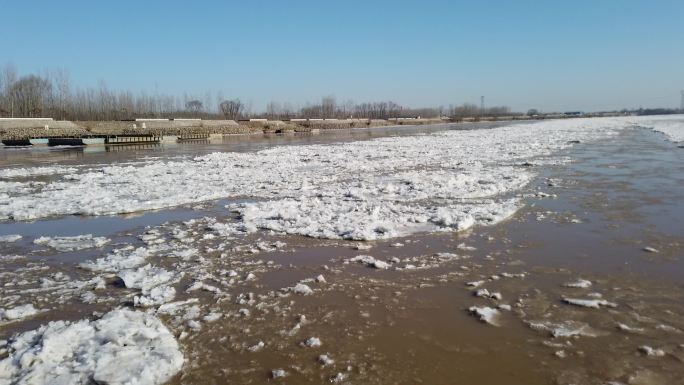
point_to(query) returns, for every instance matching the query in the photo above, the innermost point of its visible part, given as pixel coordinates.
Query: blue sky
(551, 55)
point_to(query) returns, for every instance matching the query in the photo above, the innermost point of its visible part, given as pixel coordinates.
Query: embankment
(33, 128)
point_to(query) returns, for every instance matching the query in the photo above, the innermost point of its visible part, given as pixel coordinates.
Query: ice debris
(370, 261)
(591, 303)
(445, 181)
(325, 360)
(651, 352)
(18, 312)
(312, 342)
(564, 329)
(78, 242)
(10, 238)
(123, 347)
(486, 314)
(579, 283)
(302, 289)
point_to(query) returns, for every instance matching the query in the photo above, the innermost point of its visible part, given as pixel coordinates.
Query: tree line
(51, 94)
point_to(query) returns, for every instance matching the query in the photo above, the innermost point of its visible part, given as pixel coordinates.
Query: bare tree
(328, 107)
(29, 94)
(9, 77)
(231, 109)
(62, 83)
(52, 95)
(194, 106)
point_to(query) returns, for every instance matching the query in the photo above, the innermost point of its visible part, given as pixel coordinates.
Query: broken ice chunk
(591, 303)
(79, 242)
(651, 352)
(325, 360)
(486, 314)
(579, 283)
(312, 342)
(301, 289)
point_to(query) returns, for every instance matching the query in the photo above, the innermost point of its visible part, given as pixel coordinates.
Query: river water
(581, 233)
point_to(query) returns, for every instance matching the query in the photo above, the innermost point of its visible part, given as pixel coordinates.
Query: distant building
(574, 113)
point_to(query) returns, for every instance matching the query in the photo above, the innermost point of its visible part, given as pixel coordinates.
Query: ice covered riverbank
(360, 190)
(670, 125)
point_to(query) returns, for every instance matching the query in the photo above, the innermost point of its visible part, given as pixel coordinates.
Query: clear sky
(551, 55)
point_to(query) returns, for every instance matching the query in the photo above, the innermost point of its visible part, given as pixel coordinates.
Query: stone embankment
(47, 128)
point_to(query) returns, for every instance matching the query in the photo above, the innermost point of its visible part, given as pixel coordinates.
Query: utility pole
(482, 106)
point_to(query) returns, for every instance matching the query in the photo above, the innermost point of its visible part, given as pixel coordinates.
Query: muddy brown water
(413, 327)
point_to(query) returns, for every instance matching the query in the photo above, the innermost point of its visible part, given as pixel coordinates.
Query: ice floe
(124, 258)
(155, 296)
(147, 277)
(363, 190)
(652, 352)
(10, 238)
(629, 329)
(565, 328)
(256, 347)
(23, 172)
(312, 342)
(670, 125)
(591, 303)
(79, 242)
(486, 314)
(484, 293)
(370, 261)
(123, 347)
(580, 283)
(325, 360)
(302, 289)
(18, 312)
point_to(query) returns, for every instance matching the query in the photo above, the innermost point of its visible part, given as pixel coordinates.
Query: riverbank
(46, 128)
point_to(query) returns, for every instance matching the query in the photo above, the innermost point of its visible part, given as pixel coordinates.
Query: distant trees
(473, 111)
(51, 95)
(532, 112)
(328, 108)
(231, 109)
(29, 95)
(194, 106)
(464, 111)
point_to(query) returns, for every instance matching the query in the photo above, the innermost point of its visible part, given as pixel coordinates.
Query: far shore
(25, 128)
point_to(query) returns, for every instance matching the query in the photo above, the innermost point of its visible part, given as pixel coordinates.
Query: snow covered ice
(75, 243)
(486, 314)
(363, 190)
(123, 347)
(590, 303)
(10, 238)
(579, 284)
(211, 266)
(18, 312)
(670, 125)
